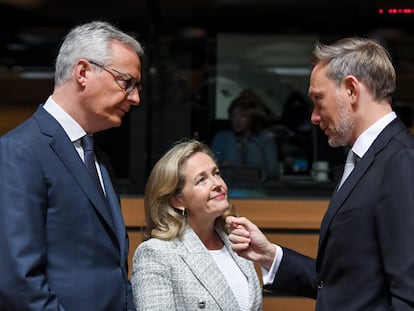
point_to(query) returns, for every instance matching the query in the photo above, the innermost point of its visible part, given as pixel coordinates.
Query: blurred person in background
(248, 143)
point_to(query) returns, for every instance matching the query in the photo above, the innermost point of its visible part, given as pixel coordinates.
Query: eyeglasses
(127, 83)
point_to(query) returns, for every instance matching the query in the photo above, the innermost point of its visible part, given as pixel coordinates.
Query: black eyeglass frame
(130, 82)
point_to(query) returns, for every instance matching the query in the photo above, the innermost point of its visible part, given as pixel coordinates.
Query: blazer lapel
(203, 266)
(243, 264)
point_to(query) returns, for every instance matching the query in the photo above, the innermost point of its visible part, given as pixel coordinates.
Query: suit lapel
(63, 147)
(203, 266)
(115, 208)
(339, 197)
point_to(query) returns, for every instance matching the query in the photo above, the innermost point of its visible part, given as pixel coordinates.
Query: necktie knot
(89, 159)
(87, 143)
(351, 160)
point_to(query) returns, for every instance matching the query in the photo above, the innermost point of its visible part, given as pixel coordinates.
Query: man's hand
(249, 242)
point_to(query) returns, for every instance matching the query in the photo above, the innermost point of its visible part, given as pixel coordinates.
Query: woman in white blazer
(187, 262)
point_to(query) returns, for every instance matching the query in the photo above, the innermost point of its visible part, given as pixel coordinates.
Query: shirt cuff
(269, 275)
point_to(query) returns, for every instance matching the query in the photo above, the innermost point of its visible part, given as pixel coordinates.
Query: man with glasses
(125, 81)
(62, 237)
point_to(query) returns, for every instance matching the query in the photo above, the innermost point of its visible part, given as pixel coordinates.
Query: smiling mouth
(219, 197)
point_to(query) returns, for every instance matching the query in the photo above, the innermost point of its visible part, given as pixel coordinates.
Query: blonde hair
(167, 181)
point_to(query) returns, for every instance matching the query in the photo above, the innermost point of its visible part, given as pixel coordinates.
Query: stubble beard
(343, 130)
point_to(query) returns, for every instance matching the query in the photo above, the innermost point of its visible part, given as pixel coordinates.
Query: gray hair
(363, 58)
(90, 41)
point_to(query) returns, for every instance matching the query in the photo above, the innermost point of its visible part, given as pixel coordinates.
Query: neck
(209, 237)
(371, 113)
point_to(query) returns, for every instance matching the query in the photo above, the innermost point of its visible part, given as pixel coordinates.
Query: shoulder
(224, 134)
(394, 142)
(38, 128)
(157, 247)
(154, 243)
(400, 152)
(25, 141)
(265, 138)
(156, 252)
(22, 132)
(266, 135)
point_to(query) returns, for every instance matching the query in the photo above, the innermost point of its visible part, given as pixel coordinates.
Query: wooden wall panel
(288, 304)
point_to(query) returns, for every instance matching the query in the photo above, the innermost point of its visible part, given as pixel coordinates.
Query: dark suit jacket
(61, 247)
(366, 249)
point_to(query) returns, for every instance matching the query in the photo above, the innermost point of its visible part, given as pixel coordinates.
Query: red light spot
(396, 11)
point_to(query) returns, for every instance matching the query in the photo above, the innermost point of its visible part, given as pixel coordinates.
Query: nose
(134, 97)
(217, 182)
(315, 117)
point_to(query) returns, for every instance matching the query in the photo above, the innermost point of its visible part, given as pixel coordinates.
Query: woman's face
(239, 120)
(204, 195)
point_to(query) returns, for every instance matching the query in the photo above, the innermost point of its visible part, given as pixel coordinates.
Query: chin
(116, 122)
(335, 143)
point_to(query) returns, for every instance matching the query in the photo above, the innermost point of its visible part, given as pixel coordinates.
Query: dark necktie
(89, 159)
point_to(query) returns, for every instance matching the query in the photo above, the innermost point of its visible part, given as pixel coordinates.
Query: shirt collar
(365, 140)
(70, 126)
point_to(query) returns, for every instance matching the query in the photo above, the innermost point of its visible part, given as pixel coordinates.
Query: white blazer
(182, 275)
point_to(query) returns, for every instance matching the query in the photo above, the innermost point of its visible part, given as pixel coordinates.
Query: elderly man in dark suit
(365, 257)
(62, 237)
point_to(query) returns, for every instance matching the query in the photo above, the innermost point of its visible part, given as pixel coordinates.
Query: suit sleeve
(130, 302)
(395, 223)
(23, 283)
(151, 281)
(296, 275)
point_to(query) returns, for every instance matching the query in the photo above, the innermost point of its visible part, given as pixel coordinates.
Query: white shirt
(71, 128)
(360, 147)
(234, 276)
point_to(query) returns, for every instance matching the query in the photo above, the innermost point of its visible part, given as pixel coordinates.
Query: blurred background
(199, 56)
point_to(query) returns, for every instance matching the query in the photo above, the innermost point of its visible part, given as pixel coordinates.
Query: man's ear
(80, 71)
(352, 87)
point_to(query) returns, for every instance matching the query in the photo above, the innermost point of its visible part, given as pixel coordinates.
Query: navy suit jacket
(62, 247)
(366, 249)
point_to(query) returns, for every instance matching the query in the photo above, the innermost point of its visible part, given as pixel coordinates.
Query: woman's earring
(183, 212)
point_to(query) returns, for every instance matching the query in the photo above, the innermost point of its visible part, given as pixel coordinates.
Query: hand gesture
(249, 242)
